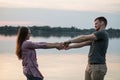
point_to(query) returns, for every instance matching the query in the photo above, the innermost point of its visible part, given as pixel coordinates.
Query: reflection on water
(53, 67)
(56, 67)
(54, 64)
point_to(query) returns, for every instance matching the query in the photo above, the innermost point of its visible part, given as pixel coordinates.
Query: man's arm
(83, 38)
(79, 45)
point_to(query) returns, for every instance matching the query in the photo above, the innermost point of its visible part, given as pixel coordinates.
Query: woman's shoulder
(27, 42)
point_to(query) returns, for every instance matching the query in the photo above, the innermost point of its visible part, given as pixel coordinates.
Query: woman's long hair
(21, 37)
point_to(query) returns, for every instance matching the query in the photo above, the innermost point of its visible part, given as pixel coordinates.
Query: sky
(64, 13)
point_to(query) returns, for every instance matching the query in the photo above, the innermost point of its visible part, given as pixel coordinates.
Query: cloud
(78, 5)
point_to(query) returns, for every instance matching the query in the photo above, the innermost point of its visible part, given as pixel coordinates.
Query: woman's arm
(41, 45)
(54, 45)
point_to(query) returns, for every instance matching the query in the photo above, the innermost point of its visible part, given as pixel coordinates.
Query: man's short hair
(102, 19)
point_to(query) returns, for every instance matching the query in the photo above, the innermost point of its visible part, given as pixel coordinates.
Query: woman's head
(23, 34)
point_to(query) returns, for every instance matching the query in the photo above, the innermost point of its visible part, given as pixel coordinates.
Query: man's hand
(63, 45)
(66, 44)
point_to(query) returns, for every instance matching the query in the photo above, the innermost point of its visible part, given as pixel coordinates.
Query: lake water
(55, 64)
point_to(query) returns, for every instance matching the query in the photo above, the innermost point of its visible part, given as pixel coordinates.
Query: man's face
(97, 25)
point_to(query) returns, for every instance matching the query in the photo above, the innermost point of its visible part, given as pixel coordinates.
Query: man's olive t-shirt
(98, 48)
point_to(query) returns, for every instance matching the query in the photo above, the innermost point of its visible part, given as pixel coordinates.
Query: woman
(25, 51)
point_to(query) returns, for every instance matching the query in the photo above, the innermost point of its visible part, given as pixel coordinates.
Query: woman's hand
(59, 46)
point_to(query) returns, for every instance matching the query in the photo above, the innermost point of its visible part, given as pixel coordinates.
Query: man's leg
(87, 73)
(98, 72)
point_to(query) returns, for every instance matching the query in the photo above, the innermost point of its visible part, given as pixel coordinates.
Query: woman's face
(28, 36)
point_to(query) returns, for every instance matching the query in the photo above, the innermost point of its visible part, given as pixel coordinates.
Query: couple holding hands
(98, 42)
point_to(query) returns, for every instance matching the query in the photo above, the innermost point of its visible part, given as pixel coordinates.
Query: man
(98, 41)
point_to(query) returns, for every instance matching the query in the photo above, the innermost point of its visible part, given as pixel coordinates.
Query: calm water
(54, 64)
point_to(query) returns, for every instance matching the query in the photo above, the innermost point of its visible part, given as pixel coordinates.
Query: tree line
(47, 31)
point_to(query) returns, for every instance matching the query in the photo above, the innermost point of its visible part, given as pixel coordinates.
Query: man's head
(100, 23)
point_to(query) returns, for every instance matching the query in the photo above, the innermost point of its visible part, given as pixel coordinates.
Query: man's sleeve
(99, 35)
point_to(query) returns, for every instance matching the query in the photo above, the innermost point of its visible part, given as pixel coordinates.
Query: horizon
(16, 26)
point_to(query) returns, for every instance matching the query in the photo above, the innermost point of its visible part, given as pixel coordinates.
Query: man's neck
(102, 28)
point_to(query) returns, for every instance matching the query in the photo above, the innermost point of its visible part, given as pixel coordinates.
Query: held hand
(63, 45)
(66, 44)
(67, 47)
(59, 46)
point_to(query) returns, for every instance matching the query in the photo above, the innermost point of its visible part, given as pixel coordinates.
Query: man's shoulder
(101, 34)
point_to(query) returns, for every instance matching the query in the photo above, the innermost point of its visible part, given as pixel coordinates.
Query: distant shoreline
(47, 31)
